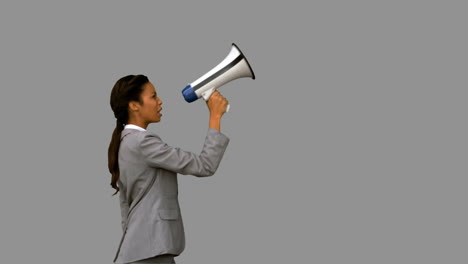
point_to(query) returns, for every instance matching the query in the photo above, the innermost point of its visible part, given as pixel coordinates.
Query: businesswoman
(144, 170)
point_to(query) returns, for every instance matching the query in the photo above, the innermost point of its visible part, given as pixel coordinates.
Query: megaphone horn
(234, 66)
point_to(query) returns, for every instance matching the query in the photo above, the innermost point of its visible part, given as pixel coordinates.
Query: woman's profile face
(151, 107)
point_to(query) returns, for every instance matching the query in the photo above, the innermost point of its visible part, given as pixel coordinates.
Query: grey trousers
(161, 259)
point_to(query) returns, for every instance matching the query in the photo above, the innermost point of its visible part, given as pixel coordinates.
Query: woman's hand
(217, 104)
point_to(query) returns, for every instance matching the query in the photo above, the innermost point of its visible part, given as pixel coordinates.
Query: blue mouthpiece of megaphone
(189, 94)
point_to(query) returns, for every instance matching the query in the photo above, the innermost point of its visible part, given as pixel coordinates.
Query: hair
(126, 89)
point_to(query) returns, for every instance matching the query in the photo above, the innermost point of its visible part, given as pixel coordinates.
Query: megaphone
(234, 66)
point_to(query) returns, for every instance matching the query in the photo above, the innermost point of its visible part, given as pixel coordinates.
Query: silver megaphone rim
(245, 58)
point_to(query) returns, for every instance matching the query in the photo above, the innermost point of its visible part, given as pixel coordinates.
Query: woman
(144, 169)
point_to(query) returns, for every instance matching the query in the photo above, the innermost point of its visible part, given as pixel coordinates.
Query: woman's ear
(133, 106)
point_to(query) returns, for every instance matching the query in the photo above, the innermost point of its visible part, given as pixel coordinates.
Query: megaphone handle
(206, 95)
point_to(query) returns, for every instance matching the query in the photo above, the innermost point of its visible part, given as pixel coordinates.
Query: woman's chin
(159, 117)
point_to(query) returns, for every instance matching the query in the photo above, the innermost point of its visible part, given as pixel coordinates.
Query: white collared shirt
(130, 126)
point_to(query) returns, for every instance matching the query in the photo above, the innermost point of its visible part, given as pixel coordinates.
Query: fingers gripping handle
(206, 95)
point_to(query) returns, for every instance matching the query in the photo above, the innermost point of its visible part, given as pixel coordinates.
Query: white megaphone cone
(234, 66)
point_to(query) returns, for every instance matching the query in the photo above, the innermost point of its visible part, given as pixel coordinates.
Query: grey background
(349, 147)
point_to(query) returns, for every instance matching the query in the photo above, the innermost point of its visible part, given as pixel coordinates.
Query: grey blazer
(151, 219)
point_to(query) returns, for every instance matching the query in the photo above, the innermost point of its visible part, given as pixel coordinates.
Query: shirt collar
(130, 126)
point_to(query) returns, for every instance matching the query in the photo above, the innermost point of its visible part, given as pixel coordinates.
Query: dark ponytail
(126, 89)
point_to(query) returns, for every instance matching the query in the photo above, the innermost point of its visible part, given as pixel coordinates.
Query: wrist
(215, 116)
(215, 122)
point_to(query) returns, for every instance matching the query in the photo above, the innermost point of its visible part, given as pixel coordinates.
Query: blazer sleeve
(159, 154)
(124, 207)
